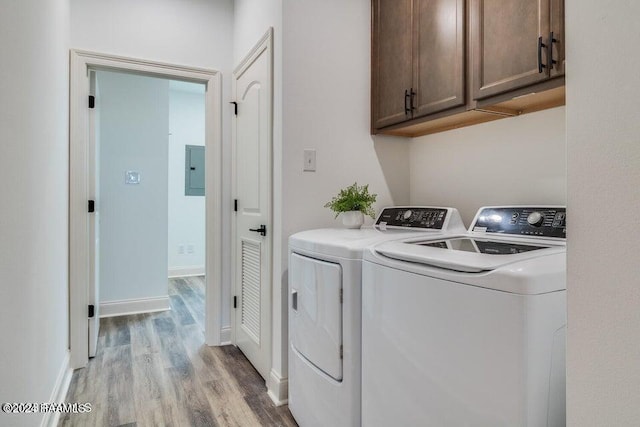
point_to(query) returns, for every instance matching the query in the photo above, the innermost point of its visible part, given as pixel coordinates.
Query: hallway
(154, 370)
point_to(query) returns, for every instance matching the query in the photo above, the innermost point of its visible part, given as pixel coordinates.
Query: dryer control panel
(542, 221)
(412, 217)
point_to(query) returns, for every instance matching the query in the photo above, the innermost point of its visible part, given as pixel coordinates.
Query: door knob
(262, 230)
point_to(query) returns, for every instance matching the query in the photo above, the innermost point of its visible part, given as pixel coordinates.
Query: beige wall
(603, 145)
(519, 160)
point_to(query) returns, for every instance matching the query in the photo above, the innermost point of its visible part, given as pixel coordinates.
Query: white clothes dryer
(325, 269)
(468, 330)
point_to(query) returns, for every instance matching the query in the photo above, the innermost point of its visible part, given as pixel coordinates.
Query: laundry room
(414, 210)
(543, 157)
(520, 159)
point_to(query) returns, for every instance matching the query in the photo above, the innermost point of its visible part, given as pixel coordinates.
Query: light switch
(132, 177)
(309, 160)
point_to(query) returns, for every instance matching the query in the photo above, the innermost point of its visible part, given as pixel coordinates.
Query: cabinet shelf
(518, 105)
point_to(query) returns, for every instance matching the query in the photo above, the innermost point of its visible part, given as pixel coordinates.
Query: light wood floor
(154, 370)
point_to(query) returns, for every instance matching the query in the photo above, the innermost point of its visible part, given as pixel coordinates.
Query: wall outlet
(181, 249)
(309, 160)
(189, 249)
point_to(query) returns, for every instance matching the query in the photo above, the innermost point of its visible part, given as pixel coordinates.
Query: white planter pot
(352, 219)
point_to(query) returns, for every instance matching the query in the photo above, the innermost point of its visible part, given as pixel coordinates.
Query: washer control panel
(524, 221)
(412, 217)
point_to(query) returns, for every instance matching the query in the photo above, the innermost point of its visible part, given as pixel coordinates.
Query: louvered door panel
(251, 289)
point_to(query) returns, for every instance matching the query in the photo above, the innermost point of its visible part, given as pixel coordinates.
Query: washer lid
(467, 253)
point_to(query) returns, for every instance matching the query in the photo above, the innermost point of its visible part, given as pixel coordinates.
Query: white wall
(188, 32)
(252, 18)
(185, 32)
(326, 104)
(326, 107)
(134, 136)
(186, 213)
(321, 101)
(603, 146)
(34, 201)
(519, 160)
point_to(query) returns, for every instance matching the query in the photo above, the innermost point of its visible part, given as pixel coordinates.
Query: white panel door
(252, 189)
(94, 218)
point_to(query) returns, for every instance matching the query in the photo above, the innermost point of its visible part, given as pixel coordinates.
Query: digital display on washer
(528, 221)
(483, 246)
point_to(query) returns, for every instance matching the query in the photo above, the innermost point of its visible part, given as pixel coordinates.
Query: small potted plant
(353, 203)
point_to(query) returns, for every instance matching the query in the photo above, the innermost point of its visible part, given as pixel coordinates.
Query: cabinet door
(391, 61)
(438, 55)
(557, 27)
(505, 44)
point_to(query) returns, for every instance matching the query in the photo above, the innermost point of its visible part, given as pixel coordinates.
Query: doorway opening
(85, 202)
(147, 172)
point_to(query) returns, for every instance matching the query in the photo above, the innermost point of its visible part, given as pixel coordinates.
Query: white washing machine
(468, 330)
(325, 270)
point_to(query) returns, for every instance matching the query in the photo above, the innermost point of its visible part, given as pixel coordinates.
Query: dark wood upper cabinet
(392, 62)
(557, 31)
(511, 44)
(438, 76)
(417, 59)
(442, 64)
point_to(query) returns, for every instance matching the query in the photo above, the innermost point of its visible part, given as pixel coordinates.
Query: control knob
(535, 218)
(407, 214)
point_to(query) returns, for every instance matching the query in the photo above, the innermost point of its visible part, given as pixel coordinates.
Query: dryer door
(315, 312)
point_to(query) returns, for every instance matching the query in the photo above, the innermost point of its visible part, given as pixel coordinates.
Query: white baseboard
(134, 306)
(278, 388)
(192, 270)
(59, 393)
(225, 335)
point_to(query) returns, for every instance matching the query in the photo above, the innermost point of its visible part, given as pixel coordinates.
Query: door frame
(81, 62)
(264, 44)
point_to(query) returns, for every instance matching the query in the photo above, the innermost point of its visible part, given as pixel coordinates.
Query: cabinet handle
(413, 93)
(552, 40)
(541, 66)
(407, 110)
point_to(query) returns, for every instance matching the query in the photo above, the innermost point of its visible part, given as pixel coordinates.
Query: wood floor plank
(180, 310)
(155, 370)
(259, 404)
(117, 331)
(192, 398)
(244, 372)
(143, 338)
(197, 283)
(192, 298)
(228, 406)
(121, 408)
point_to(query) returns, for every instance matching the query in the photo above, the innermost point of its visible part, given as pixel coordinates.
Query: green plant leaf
(353, 198)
